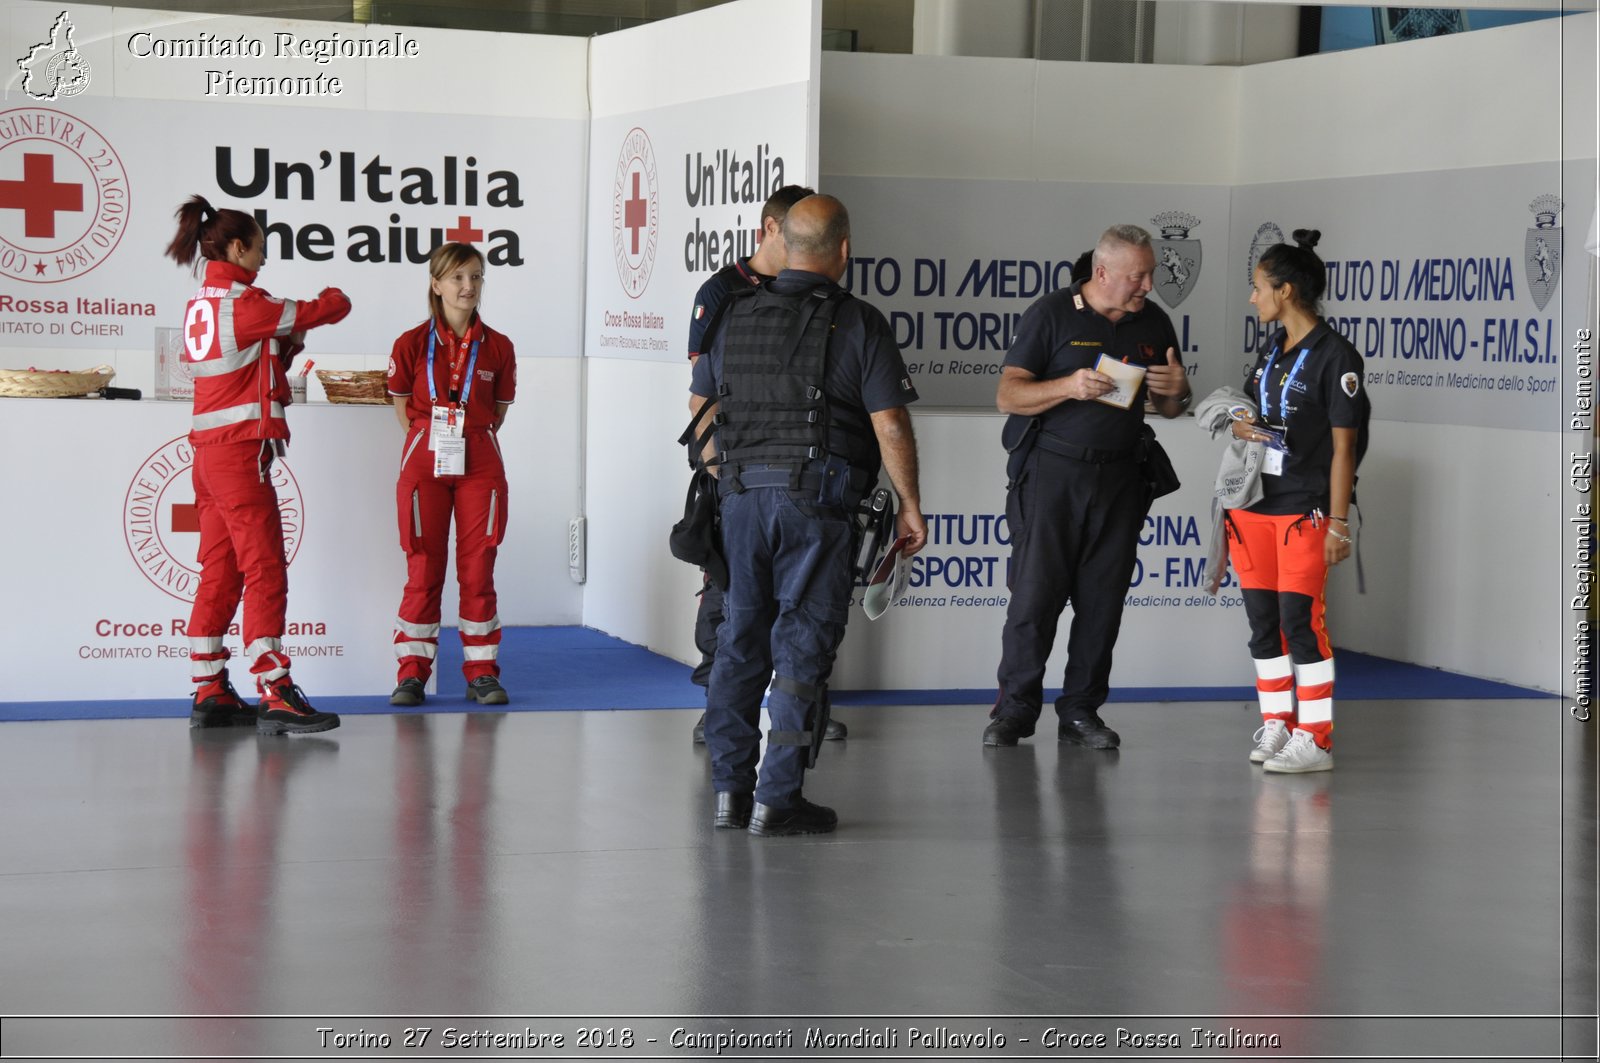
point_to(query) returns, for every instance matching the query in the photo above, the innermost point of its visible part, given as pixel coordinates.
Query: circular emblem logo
(635, 212)
(67, 74)
(1266, 236)
(63, 196)
(162, 524)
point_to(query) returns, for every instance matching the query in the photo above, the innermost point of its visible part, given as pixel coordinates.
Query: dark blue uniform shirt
(713, 293)
(1061, 334)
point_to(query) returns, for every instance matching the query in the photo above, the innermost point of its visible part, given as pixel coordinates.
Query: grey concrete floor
(550, 864)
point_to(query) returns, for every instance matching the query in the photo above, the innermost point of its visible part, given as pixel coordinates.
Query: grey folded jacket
(1238, 483)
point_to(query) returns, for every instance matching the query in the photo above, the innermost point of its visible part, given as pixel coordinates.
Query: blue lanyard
(1283, 396)
(472, 361)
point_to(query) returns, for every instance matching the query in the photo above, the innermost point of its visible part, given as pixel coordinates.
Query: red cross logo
(40, 196)
(200, 326)
(636, 213)
(463, 232)
(185, 517)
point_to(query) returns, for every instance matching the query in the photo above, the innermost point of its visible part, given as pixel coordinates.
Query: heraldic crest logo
(55, 69)
(1541, 249)
(1177, 256)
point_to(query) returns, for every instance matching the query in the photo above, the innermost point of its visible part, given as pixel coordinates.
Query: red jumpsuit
(236, 341)
(426, 503)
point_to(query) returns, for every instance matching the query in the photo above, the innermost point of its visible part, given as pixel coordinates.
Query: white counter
(100, 555)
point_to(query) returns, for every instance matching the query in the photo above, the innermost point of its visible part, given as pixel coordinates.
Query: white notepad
(1127, 377)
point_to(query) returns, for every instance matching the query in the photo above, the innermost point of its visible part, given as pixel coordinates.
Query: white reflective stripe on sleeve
(1274, 667)
(416, 649)
(416, 631)
(480, 653)
(480, 627)
(286, 321)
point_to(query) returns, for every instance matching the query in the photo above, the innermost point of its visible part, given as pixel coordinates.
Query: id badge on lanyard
(1277, 443)
(447, 428)
(447, 438)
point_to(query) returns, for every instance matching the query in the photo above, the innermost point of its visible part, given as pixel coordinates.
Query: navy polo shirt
(713, 293)
(1061, 334)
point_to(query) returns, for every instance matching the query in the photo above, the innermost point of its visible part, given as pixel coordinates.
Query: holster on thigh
(818, 711)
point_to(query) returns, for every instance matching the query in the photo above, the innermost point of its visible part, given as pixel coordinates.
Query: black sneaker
(285, 710)
(699, 732)
(409, 694)
(486, 690)
(803, 818)
(835, 730)
(221, 707)
(1089, 731)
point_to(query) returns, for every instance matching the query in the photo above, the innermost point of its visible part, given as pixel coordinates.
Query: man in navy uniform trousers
(1078, 497)
(750, 272)
(809, 396)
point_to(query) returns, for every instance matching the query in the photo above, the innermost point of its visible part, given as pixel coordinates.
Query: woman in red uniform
(1313, 421)
(452, 379)
(240, 341)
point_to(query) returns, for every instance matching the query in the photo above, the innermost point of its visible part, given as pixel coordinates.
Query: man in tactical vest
(750, 272)
(808, 397)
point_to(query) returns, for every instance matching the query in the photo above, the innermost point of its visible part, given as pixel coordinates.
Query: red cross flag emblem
(64, 196)
(199, 328)
(635, 212)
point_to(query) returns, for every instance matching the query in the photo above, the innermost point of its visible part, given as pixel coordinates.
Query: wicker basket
(53, 384)
(368, 387)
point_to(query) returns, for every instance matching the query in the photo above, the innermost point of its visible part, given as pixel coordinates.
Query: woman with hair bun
(239, 342)
(1313, 422)
(452, 379)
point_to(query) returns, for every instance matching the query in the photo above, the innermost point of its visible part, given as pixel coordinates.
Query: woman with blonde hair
(452, 379)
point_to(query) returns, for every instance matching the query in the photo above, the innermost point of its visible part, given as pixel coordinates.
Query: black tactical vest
(772, 410)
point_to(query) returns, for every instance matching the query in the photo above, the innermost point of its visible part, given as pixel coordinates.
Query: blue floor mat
(576, 668)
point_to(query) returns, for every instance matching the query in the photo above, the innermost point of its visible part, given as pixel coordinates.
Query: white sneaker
(1302, 754)
(1271, 736)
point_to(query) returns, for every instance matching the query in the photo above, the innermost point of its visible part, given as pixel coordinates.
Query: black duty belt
(1091, 455)
(810, 481)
